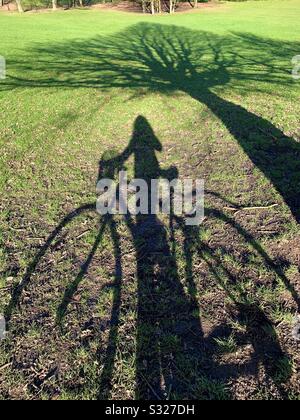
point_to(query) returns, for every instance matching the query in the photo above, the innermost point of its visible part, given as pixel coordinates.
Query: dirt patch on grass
(10, 7)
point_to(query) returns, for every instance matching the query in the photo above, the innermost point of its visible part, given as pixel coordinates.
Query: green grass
(226, 345)
(216, 88)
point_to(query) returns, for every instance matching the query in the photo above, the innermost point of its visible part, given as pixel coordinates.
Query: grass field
(110, 308)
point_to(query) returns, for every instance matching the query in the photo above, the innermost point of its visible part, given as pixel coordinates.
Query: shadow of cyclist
(168, 322)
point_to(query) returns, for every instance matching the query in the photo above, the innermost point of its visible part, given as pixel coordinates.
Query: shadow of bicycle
(173, 348)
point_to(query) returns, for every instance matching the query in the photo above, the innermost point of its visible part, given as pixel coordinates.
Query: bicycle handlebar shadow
(170, 59)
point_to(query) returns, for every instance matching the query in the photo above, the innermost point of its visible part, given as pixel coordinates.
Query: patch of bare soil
(125, 6)
(9, 7)
(12, 7)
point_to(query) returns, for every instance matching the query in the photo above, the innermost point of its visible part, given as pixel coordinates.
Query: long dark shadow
(164, 311)
(274, 153)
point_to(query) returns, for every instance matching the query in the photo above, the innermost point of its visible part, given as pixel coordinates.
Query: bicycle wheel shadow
(173, 350)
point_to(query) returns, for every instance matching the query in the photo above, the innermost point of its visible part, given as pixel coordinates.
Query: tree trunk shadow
(276, 155)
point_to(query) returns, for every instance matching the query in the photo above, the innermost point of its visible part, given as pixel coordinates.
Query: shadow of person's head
(143, 137)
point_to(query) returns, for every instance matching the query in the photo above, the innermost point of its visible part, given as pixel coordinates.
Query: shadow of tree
(167, 59)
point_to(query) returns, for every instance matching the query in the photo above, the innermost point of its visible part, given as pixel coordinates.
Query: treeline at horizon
(146, 6)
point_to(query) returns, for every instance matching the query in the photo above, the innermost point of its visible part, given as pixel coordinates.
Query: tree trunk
(159, 6)
(152, 7)
(81, 3)
(173, 6)
(19, 6)
(195, 4)
(54, 4)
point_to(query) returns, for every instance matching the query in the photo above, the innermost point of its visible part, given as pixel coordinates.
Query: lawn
(108, 308)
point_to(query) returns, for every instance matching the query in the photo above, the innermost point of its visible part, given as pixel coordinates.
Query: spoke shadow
(260, 331)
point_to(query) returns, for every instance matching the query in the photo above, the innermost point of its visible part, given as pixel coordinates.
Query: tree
(158, 5)
(152, 7)
(172, 6)
(19, 6)
(54, 4)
